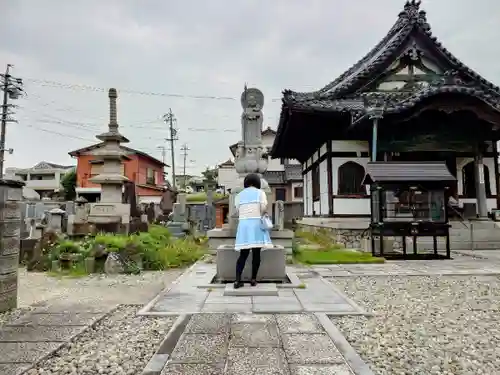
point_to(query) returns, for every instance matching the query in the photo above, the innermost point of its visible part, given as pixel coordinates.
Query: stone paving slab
(314, 348)
(25, 352)
(247, 290)
(64, 319)
(14, 368)
(38, 333)
(200, 348)
(320, 370)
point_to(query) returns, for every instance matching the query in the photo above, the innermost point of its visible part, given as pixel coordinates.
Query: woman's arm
(263, 202)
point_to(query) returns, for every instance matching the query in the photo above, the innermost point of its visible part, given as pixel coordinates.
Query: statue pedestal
(272, 265)
(225, 237)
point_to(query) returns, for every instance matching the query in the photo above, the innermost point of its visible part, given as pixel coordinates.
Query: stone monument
(179, 226)
(11, 193)
(110, 214)
(250, 157)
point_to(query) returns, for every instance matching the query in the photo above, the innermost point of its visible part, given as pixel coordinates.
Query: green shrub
(157, 249)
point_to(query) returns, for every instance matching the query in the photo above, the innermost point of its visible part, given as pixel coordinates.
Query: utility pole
(163, 157)
(170, 119)
(184, 150)
(12, 89)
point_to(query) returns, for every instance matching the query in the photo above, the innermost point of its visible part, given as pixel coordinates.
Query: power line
(84, 87)
(169, 120)
(12, 89)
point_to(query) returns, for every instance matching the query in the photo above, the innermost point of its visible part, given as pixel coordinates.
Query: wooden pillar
(375, 115)
(494, 145)
(482, 207)
(330, 177)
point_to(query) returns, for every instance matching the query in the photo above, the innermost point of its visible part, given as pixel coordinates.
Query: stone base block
(247, 290)
(272, 265)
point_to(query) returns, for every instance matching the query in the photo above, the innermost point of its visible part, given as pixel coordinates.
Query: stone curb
(353, 360)
(414, 274)
(145, 311)
(358, 308)
(160, 358)
(70, 339)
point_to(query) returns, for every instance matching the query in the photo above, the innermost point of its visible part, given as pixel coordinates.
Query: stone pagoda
(110, 214)
(251, 157)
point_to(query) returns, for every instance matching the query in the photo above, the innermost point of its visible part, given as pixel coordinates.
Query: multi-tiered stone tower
(110, 213)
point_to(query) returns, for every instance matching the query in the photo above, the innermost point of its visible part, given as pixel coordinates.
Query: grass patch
(335, 256)
(319, 237)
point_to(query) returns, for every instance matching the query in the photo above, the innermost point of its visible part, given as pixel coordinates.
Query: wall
(341, 205)
(361, 205)
(228, 177)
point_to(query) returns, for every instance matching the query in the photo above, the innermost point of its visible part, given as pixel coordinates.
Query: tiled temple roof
(412, 21)
(352, 96)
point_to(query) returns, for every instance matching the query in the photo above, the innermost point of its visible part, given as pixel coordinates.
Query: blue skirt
(250, 235)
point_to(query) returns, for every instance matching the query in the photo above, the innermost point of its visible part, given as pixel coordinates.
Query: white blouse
(251, 210)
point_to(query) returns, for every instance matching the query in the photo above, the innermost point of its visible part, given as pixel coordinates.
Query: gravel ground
(121, 344)
(425, 325)
(36, 287)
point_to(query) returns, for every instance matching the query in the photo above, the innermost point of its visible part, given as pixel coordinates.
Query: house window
(315, 183)
(350, 177)
(298, 192)
(150, 176)
(280, 194)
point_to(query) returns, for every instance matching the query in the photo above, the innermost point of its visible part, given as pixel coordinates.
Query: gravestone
(11, 193)
(179, 226)
(55, 220)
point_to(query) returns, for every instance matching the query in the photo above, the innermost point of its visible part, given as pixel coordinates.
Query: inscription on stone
(9, 245)
(103, 210)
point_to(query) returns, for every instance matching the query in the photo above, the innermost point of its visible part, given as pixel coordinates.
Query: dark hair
(252, 179)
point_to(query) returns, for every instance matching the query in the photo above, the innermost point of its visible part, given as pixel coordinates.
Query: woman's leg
(240, 264)
(255, 264)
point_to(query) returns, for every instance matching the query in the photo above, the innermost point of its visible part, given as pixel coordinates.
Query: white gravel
(121, 344)
(425, 325)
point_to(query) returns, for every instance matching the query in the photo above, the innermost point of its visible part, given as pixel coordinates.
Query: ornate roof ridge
(409, 18)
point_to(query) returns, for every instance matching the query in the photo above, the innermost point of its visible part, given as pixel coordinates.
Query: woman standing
(251, 205)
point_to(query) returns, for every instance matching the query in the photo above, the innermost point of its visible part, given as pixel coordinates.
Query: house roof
(274, 177)
(78, 152)
(293, 172)
(407, 171)
(227, 163)
(353, 96)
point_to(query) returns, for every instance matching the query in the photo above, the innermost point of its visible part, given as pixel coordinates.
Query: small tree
(210, 175)
(68, 183)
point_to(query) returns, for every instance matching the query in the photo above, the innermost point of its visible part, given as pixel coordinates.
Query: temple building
(409, 99)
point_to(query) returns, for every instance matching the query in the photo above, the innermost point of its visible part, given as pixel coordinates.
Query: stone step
(455, 245)
(267, 289)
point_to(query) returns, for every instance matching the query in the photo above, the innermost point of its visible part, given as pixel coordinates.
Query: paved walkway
(247, 344)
